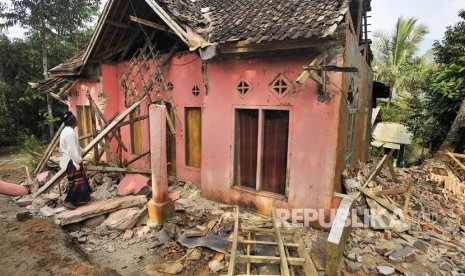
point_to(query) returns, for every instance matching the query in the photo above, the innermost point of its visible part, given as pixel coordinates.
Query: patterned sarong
(78, 189)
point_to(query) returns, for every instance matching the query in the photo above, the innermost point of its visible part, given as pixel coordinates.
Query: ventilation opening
(196, 91)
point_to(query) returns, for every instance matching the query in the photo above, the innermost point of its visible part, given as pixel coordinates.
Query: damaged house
(267, 101)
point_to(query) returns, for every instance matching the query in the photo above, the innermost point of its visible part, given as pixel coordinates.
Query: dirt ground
(37, 246)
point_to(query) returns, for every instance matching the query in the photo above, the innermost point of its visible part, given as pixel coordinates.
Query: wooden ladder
(293, 257)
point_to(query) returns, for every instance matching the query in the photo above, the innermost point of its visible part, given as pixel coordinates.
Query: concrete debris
(352, 266)
(128, 235)
(47, 211)
(385, 270)
(94, 222)
(435, 213)
(132, 184)
(172, 268)
(215, 266)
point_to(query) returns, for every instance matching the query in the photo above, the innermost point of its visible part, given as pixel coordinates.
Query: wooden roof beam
(151, 24)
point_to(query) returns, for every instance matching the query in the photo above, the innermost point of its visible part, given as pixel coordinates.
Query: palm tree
(393, 51)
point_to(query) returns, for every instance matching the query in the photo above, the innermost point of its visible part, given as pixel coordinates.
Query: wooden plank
(247, 268)
(338, 235)
(98, 208)
(94, 133)
(461, 165)
(331, 68)
(306, 74)
(282, 253)
(151, 24)
(292, 245)
(99, 137)
(140, 118)
(458, 155)
(269, 260)
(167, 19)
(48, 152)
(390, 192)
(102, 117)
(308, 267)
(407, 197)
(375, 171)
(382, 202)
(265, 231)
(392, 171)
(232, 258)
(137, 158)
(117, 169)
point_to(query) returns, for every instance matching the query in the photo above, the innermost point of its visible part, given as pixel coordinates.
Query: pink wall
(312, 137)
(184, 72)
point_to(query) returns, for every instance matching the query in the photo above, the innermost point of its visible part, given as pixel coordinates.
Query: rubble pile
(195, 239)
(434, 241)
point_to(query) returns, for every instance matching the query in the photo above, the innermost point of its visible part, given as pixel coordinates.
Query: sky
(436, 14)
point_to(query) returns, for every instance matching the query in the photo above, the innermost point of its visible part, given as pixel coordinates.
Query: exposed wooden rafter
(151, 24)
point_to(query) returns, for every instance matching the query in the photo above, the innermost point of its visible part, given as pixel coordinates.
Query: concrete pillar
(160, 207)
(12, 189)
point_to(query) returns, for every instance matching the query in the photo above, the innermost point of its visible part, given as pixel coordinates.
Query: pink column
(157, 118)
(12, 189)
(161, 207)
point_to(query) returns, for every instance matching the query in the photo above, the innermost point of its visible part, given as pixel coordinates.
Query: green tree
(50, 21)
(395, 51)
(447, 98)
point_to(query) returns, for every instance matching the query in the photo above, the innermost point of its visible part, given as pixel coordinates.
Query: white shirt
(69, 148)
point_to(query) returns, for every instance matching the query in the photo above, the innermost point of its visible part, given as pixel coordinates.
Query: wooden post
(279, 240)
(407, 197)
(232, 258)
(94, 132)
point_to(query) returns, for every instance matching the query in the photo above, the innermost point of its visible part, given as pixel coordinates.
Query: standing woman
(78, 189)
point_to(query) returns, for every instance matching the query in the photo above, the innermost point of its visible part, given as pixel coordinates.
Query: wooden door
(193, 136)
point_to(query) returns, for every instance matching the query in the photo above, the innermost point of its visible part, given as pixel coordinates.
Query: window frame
(235, 151)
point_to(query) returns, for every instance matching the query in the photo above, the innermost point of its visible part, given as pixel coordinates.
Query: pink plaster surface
(43, 176)
(131, 184)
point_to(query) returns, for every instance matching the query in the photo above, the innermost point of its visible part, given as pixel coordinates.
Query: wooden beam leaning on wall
(102, 118)
(103, 133)
(48, 152)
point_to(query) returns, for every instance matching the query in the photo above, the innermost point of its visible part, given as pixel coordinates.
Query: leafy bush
(30, 146)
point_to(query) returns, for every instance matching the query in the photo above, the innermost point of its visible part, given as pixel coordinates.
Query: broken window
(193, 136)
(84, 124)
(261, 149)
(136, 133)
